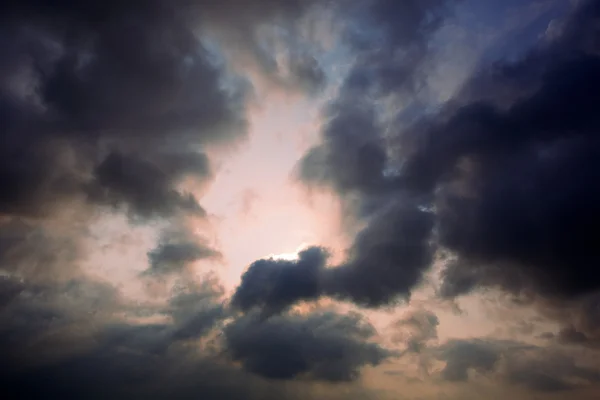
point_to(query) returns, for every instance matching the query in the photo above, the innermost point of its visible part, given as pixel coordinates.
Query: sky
(299, 199)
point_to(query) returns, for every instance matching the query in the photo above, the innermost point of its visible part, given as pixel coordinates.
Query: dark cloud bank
(503, 177)
(109, 106)
(52, 346)
(507, 188)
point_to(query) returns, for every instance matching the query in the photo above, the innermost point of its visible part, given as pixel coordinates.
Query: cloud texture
(118, 110)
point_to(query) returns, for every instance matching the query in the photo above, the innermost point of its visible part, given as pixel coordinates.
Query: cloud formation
(538, 369)
(107, 355)
(119, 111)
(109, 102)
(320, 346)
(506, 186)
(415, 329)
(389, 256)
(399, 236)
(516, 212)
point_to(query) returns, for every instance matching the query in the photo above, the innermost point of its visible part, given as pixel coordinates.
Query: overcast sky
(299, 199)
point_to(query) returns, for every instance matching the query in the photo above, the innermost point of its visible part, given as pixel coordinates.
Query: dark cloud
(536, 368)
(196, 309)
(9, 290)
(52, 345)
(174, 255)
(111, 106)
(320, 346)
(148, 187)
(43, 322)
(389, 255)
(389, 40)
(115, 102)
(282, 55)
(307, 73)
(462, 356)
(349, 159)
(81, 79)
(277, 284)
(516, 212)
(415, 329)
(507, 167)
(387, 258)
(385, 261)
(579, 321)
(32, 251)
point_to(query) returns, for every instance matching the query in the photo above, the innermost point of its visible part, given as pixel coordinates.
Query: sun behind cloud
(302, 199)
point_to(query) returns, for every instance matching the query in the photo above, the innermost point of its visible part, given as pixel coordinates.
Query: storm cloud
(320, 346)
(117, 116)
(388, 256)
(538, 369)
(398, 237)
(52, 345)
(510, 185)
(110, 102)
(110, 108)
(416, 329)
(517, 211)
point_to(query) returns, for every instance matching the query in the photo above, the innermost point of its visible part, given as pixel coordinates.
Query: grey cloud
(110, 106)
(538, 369)
(52, 346)
(504, 173)
(277, 284)
(282, 56)
(548, 372)
(390, 41)
(579, 321)
(388, 257)
(9, 290)
(174, 256)
(462, 356)
(197, 309)
(45, 321)
(147, 187)
(134, 78)
(416, 329)
(34, 251)
(320, 346)
(349, 159)
(499, 169)
(384, 263)
(307, 72)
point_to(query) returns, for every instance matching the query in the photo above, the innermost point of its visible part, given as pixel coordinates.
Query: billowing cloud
(119, 110)
(177, 251)
(148, 187)
(108, 99)
(390, 254)
(277, 284)
(53, 345)
(415, 329)
(535, 368)
(516, 184)
(33, 251)
(385, 262)
(462, 356)
(320, 346)
(510, 187)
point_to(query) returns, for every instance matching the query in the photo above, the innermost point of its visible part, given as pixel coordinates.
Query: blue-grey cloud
(320, 346)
